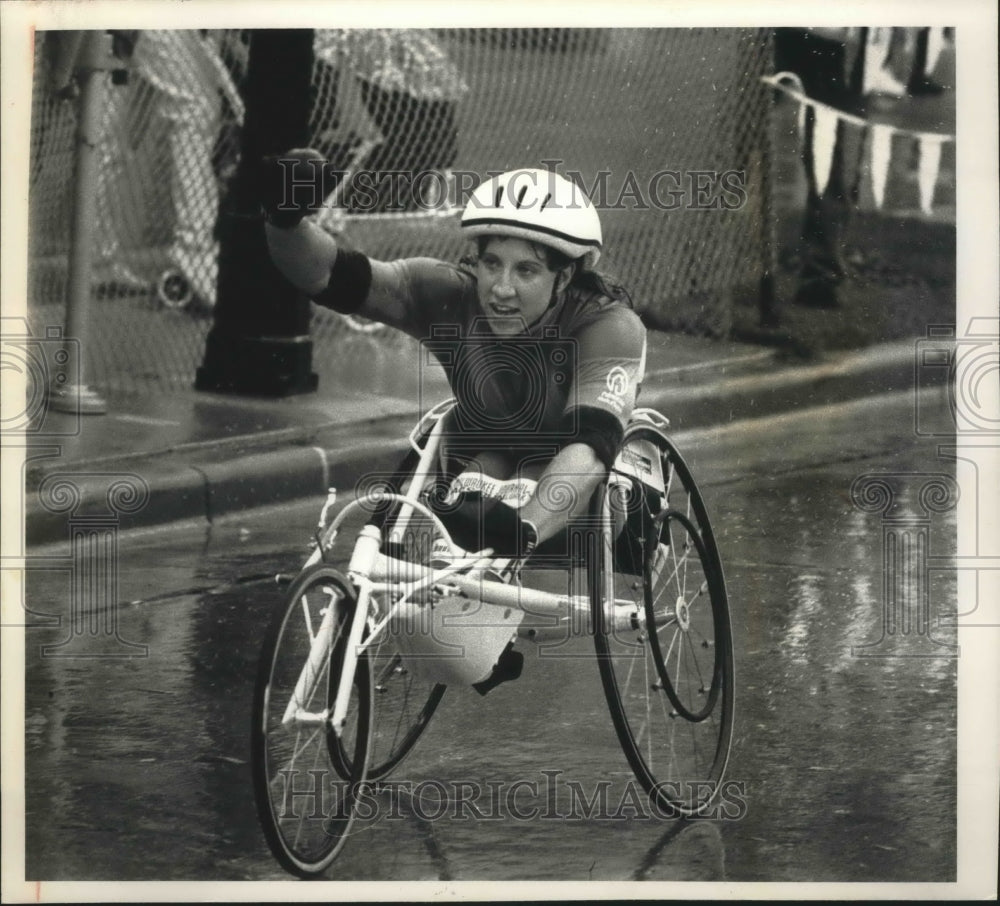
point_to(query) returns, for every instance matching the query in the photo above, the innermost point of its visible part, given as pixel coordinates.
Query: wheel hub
(683, 614)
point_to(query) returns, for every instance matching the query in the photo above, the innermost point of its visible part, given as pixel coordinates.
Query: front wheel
(308, 780)
(403, 702)
(661, 628)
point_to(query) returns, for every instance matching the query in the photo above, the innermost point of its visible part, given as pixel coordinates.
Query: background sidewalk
(203, 455)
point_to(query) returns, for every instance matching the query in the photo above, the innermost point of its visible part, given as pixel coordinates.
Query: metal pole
(769, 317)
(259, 343)
(94, 64)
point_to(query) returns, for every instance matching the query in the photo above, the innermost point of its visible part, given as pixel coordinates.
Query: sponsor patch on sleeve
(618, 390)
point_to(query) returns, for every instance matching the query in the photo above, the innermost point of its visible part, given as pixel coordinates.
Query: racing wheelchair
(358, 659)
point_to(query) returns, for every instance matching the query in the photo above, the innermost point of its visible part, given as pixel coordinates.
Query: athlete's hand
(508, 534)
(473, 527)
(294, 184)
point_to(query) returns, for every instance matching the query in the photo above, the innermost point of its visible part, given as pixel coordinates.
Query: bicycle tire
(307, 762)
(677, 748)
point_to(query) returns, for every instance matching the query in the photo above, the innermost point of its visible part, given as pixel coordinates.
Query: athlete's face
(515, 284)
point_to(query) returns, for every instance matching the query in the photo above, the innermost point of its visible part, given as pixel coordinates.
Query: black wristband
(502, 530)
(464, 520)
(598, 429)
(350, 280)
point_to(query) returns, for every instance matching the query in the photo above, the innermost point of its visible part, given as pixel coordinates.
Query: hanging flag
(881, 150)
(825, 124)
(935, 44)
(778, 80)
(929, 156)
(877, 43)
(824, 140)
(854, 42)
(803, 107)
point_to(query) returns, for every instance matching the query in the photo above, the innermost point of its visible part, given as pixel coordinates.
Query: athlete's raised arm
(294, 185)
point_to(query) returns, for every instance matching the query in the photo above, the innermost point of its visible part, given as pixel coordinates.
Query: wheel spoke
(291, 777)
(308, 619)
(390, 665)
(673, 557)
(678, 675)
(628, 675)
(697, 667)
(702, 588)
(673, 574)
(298, 749)
(684, 563)
(670, 647)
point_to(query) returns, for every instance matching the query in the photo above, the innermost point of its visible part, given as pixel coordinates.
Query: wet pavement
(844, 752)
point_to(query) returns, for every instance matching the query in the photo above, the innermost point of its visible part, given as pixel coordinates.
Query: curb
(196, 483)
(174, 491)
(851, 375)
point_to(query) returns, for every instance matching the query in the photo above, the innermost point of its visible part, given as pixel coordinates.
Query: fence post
(767, 309)
(259, 342)
(91, 58)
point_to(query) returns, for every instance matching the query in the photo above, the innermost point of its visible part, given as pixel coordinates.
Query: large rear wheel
(661, 626)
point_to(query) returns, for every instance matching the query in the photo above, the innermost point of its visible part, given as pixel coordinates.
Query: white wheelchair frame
(374, 573)
(386, 588)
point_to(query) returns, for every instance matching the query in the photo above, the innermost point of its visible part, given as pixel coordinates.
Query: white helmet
(537, 205)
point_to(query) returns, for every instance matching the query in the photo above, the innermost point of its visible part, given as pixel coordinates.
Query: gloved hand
(473, 527)
(294, 184)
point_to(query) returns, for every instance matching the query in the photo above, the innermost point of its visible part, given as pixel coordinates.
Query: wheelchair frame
(337, 672)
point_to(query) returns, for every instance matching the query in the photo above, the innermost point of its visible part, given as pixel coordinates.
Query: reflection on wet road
(844, 753)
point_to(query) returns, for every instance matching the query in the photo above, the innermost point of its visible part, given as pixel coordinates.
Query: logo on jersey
(617, 383)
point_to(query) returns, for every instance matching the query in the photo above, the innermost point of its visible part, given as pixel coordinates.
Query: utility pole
(259, 343)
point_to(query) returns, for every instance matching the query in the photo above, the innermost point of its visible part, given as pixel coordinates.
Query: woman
(543, 356)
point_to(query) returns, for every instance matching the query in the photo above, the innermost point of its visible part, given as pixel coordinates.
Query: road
(844, 752)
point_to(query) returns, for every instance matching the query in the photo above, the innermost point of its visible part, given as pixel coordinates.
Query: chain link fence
(668, 130)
